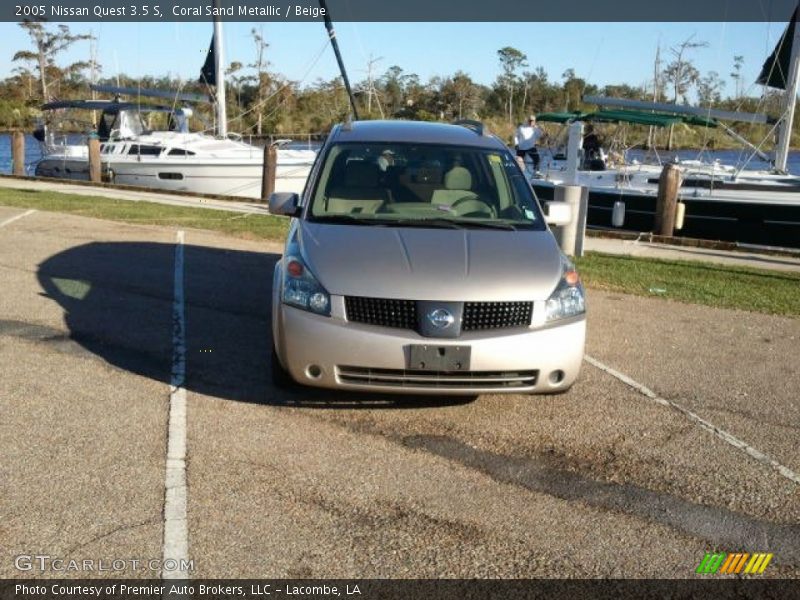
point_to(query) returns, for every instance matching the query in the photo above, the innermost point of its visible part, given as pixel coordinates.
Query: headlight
(301, 288)
(568, 299)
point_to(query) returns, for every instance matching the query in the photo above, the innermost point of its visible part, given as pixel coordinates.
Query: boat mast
(219, 69)
(656, 70)
(335, 44)
(789, 103)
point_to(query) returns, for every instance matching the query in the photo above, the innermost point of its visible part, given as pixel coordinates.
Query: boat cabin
(122, 120)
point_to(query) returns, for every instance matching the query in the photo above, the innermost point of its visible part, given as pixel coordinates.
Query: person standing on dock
(526, 138)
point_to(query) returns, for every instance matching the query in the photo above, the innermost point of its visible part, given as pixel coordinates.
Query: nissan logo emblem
(441, 318)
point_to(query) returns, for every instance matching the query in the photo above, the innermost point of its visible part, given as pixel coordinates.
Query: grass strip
(721, 286)
(237, 224)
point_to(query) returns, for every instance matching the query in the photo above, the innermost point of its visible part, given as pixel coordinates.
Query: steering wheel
(468, 205)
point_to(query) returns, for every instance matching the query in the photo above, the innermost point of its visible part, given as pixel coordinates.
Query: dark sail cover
(775, 71)
(208, 74)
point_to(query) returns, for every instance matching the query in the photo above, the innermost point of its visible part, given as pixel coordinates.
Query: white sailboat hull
(242, 180)
(234, 169)
(703, 181)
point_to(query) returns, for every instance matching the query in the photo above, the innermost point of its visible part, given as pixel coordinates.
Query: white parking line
(17, 217)
(720, 433)
(176, 530)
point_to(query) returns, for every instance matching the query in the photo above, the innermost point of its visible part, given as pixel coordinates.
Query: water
(728, 157)
(33, 153)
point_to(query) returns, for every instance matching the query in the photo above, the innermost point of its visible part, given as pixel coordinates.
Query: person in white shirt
(525, 139)
(385, 160)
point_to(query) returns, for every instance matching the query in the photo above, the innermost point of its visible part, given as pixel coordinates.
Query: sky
(601, 53)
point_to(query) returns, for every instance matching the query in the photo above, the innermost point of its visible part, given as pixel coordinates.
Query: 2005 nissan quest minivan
(418, 261)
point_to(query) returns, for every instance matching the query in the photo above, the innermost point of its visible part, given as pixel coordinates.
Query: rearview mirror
(558, 213)
(284, 204)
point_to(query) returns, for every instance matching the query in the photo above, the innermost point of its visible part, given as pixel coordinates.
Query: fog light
(314, 371)
(318, 302)
(556, 377)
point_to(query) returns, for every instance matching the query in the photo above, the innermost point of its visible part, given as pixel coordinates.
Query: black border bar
(400, 589)
(402, 10)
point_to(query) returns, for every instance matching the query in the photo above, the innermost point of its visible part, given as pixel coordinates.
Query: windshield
(423, 185)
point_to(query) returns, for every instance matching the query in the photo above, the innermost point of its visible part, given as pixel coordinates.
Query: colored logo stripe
(758, 563)
(711, 562)
(733, 563)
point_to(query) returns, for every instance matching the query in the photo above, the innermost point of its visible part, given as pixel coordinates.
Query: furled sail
(775, 71)
(208, 73)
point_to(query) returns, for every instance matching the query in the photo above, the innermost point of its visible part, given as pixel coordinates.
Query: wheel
(281, 378)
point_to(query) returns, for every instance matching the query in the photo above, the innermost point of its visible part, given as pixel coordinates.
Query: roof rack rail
(475, 126)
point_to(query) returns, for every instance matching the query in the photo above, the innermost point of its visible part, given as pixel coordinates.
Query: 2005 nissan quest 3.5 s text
(418, 261)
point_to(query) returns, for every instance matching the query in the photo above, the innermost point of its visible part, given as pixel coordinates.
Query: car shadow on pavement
(118, 300)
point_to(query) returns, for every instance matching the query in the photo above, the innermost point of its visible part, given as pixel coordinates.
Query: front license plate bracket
(433, 357)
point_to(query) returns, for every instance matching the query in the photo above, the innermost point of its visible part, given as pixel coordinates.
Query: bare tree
(48, 44)
(237, 81)
(681, 73)
(262, 75)
(369, 87)
(511, 59)
(736, 75)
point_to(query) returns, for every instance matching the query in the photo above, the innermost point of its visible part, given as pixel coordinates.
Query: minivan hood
(431, 264)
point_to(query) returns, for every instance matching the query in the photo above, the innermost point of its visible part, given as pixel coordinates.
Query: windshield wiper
(383, 222)
(433, 223)
(344, 219)
(467, 224)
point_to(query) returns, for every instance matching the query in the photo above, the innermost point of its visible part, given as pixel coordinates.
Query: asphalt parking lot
(603, 481)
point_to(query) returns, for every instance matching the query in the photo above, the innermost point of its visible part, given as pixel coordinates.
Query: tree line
(262, 101)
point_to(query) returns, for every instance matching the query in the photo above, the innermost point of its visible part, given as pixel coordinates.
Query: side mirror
(558, 213)
(284, 204)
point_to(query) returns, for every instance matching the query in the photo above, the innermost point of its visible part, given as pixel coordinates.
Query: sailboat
(722, 202)
(172, 159)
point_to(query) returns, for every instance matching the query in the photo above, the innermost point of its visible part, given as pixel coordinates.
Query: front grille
(402, 314)
(409, 378)
(496, 315)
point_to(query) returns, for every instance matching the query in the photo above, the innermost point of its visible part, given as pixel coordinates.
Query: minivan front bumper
(331, 352)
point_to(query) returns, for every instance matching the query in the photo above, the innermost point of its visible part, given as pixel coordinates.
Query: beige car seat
(458, 185)
(361, 191)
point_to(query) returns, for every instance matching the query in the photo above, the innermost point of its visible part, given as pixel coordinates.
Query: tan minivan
(419, 261)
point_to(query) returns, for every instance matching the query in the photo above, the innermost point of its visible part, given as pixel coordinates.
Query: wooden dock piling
(666, 203)
(270, 169)
(18, 153)
(95, 169)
